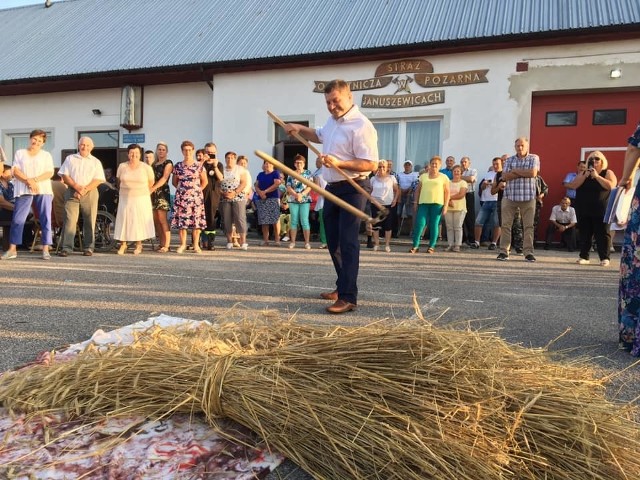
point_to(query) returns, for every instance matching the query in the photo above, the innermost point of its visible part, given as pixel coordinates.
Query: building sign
(402, 73)
(129, 138)
(403, 101)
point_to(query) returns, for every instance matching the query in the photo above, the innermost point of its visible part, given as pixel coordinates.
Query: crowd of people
(209, 193)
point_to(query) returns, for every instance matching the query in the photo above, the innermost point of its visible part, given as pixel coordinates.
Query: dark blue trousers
(343, 241)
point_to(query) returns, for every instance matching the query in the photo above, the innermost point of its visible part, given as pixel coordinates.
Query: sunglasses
(595, 159)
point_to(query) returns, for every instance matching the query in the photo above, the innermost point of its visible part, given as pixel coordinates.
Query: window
(281, 135)
(102, 139)
(610, 117)
(415, 140)
(562, 119)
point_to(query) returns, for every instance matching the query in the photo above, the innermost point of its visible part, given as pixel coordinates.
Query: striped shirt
(521, 189)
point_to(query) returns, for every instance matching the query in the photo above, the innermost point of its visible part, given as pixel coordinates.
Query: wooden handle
(319, 190)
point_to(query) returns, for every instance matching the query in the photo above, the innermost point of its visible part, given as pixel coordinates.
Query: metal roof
(77, 37)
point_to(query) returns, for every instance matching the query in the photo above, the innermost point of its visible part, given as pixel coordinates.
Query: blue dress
(629, 294)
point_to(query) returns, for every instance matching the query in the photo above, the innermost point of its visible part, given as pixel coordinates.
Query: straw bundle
(404, 402)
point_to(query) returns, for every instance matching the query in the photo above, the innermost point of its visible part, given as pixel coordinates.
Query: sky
(18, 3)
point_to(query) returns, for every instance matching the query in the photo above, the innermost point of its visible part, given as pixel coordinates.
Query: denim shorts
(488, 212)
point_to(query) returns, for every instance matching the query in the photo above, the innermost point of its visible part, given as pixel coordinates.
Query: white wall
(481, 120)
(172, 113)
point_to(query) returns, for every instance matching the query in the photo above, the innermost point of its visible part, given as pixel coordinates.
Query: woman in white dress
(134, 220)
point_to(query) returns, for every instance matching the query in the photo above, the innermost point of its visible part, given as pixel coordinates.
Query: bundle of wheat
(405, 402)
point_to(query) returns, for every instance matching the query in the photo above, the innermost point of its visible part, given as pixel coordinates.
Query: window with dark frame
(281, 135)
(561, 119)
(610, 117)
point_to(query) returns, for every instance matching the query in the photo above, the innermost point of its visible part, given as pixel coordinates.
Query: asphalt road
(47, 305)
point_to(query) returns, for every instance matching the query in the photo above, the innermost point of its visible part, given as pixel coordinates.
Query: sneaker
(492, 246)
(307, 246)
(46, 255)
(376, 248)
(9, 255)
(582, 261)
(323, 246)
(230, 246)
(503, 257)
(292, 245)
(285, 238)
(387, 249)
(605, 263)
(245, 246)
(474, 245)
(530, 258)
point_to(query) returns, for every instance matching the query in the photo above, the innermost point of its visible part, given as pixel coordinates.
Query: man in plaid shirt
(519, 172)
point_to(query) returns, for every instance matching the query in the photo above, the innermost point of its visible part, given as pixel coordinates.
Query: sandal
(414, 250)
(430, 250)
(197, 250)
(162, 250)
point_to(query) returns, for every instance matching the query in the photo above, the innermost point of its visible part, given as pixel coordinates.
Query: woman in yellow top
(431, 200)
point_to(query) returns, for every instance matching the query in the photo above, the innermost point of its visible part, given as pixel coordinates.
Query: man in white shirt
(563, 219)
(82, 173)
(489, 206)
(350, 142)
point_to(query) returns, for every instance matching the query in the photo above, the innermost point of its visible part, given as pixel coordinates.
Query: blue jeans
(21, 212)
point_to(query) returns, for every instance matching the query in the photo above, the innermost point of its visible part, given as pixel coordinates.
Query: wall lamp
(615, 73)
(97, 112)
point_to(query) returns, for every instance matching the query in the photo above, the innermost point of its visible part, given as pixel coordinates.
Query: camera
(590, 163)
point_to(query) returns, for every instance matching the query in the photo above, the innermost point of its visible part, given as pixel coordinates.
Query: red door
(560, 147)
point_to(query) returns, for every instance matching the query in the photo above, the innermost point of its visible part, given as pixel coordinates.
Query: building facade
(570, 94)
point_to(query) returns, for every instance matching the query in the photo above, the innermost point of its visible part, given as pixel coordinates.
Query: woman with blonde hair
(593, 187)
(456, 209)
(386, 192)
(161, 196)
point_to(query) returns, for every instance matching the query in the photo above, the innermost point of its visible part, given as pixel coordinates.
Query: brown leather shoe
(333, 296)
(341, 306)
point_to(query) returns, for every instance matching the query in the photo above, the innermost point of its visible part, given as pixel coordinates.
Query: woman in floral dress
(629, 293)
(161, 196)
(189, 179)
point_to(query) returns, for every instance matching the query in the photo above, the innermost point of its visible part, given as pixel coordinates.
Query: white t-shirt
(382, 188)
(405, 180)
(33, 166)
(485, 195)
